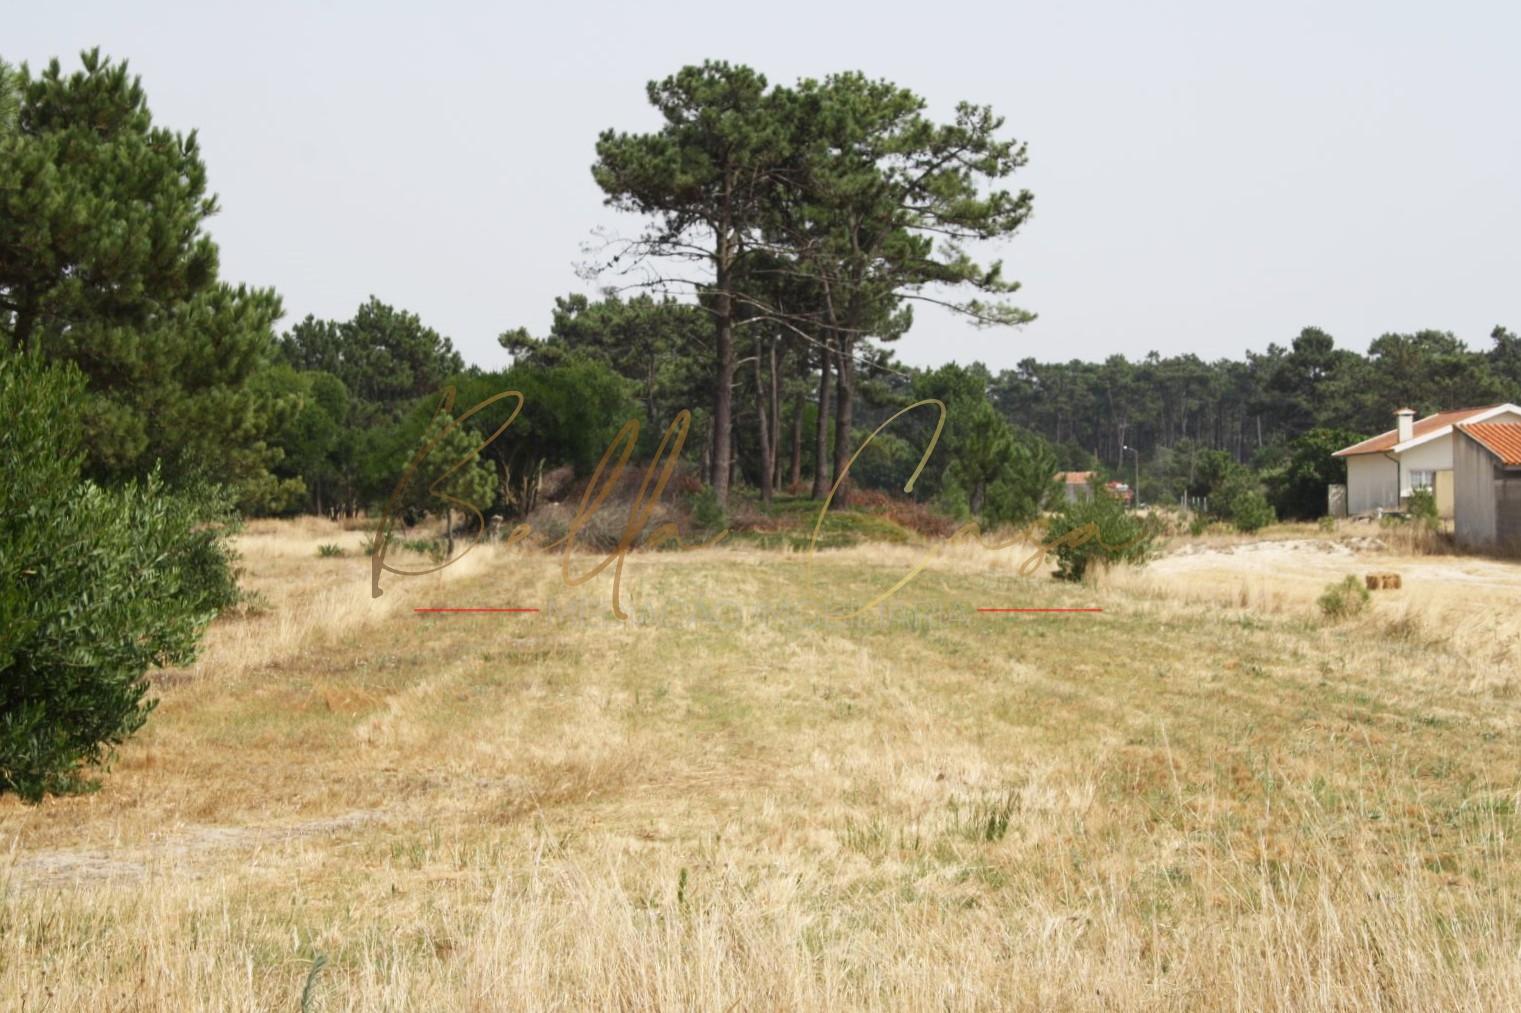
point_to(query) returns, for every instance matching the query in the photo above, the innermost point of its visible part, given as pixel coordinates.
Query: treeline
(785, 234)
(1249, 407)
(797, 223)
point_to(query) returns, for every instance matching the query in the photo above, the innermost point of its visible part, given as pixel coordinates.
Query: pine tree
(104, 262)
(703, 178)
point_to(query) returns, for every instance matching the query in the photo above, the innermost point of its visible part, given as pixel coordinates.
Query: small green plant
(1344, 600)
(707, 512)
(1198, 525)
(983, 820)
(1421, 508)
(1327, 524)
(329, 550)
(433, 548)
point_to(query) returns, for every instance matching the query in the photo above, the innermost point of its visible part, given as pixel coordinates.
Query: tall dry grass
(1207, 796)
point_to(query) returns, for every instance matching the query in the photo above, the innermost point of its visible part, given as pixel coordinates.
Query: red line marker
(475, 610)
(1039, 610)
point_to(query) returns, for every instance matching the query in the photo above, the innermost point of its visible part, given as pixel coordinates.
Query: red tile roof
(1075, 477)
(1422, 427)
(1503, 439)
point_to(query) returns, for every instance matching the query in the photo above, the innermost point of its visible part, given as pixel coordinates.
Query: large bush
(1098, 530)
(97, 585)
(1239, 501)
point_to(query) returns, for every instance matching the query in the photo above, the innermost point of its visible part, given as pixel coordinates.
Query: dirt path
(183, 847)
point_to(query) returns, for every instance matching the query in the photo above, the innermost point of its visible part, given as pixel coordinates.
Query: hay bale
(1383, 581)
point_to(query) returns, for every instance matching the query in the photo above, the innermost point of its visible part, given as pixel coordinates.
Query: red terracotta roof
(1075, 477)
(1503, 439)
(1387, 441)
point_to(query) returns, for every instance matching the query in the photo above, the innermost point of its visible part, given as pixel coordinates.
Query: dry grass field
(1206, 796)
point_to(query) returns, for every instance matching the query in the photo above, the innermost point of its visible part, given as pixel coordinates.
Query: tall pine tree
(104, 262)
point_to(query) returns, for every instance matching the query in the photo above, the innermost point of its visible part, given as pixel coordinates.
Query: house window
(1422, 480)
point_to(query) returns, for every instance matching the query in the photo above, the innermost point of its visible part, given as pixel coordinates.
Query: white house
(1487, 482)
(1416, 454)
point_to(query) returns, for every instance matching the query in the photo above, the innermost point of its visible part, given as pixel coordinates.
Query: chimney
(1406, 423)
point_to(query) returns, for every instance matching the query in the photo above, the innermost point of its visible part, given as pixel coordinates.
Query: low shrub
(433, 548)
(707, 513)
(328, 551)
(1097, 529)
(1344, 599)
(1422, 508)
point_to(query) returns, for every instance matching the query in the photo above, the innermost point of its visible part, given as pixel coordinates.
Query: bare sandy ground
(1301, 568)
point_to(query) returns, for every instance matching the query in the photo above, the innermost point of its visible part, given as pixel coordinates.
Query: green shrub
(1344, 599)
(1098, 529)
(433, 548)
(1421, 507)
(329, 550)
(1250, 511)
(1327, 524)
(96, 586)
(1238, 499)
(707, 512)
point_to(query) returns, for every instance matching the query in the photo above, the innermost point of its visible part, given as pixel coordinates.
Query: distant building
(1076, 484)
(1487, 484)
(1384, 470)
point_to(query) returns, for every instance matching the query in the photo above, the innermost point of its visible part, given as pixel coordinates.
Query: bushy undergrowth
(707, 513)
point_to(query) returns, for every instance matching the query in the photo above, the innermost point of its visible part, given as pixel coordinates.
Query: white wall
(1371, 483)
(1435, 455)
(1473, 488)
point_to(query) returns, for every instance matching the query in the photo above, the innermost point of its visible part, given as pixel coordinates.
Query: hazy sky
(1208, 177)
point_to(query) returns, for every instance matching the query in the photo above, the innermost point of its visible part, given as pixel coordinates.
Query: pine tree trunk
(775, 463)
(844, 408)
(723, 392)
(795, 477)
(707, 452)
(821, 473)
(763, 427)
